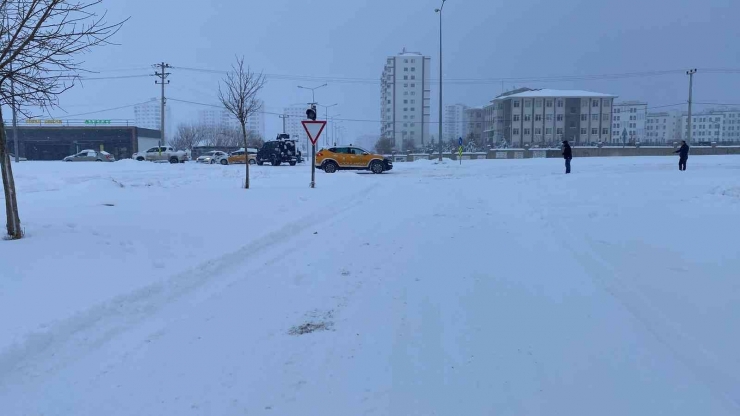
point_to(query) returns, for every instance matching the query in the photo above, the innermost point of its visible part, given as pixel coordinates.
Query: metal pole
(691, 86)
(439, 139)
(161, 117)
(313, 165)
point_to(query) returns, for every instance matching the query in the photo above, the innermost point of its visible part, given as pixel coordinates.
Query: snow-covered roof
(559, 93)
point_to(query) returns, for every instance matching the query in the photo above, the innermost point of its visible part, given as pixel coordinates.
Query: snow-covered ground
(496, 287)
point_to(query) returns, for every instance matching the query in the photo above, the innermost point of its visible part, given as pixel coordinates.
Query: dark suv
(277, 152)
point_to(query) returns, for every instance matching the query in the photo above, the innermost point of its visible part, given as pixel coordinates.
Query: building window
(413, 92)
(405, 109)
(405, 93)
(538, 117)
(594, 117)
(405, 77)
(595, 103)
(548, 130)
(604, 131)
(538, 103)
(516, 103)
(413, 69)
(572, 124)
(405, 70)
(583, 131)
(515, 132)
(527, 117)
(573, 110)
(516, 117)
(559, 130)
(594, 131)
(560, 103)
(413, 76)
(538, 130)
(413, 85)
(527, 103)
(548, 117)
(405, 61)
(405, 101)
(606, 117)
(548, 103)
(413, 101)
(527, 132)
(607, 103)
(413, 109)
(584, 117)
(560, 117)
(584, 102)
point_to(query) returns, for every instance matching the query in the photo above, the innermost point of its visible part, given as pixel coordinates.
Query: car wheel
(213, 161)
(140, 159)
(376, 167)
(292, 163)
(260, 162)
(98, 160)
(252, 162)
(330, 167)
(224, 162)
(173, 159)
(275, 161)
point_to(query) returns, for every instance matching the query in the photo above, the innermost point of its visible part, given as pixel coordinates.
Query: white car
(20, 159)
(162, 154)
(89, 155)
(212, 157)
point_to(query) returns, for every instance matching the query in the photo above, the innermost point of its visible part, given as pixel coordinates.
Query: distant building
(222, 118)
(663, 127)
(716, 125)
(545, 116)
(405, 100)
(454, 122)
(628, 119)
(294, 128)
(474, 121)
(148, 115)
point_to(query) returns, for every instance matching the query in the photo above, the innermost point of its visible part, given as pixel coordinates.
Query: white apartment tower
(147, 115)
(629, 120)
(405, 95)
(546, 117)
(454, 122)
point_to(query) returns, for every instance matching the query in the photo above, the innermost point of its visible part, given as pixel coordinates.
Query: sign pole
(313, 165)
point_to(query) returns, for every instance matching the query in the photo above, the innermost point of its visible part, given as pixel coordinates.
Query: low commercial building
(55, 139)
(546, 117)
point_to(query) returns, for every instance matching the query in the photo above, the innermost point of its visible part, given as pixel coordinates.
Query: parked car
(239, 157)
(162, 153)
(351, 158)
(90, 155)
(20, 159)
(211, 157)
(277, 152)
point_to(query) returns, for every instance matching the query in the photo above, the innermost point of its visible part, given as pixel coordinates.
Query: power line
(105, 110)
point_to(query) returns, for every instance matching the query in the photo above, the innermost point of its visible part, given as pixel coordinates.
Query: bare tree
(239, 97)
(384, 146)
(186, 137)
(40, 41)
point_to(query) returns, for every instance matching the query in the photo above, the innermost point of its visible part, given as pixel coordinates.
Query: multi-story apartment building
(405, 95)
(545, 116)
(455, 123)
(716, 125)
(148, 115)
(474, 122)
(663, 127)
(628, 121)
(222, 118)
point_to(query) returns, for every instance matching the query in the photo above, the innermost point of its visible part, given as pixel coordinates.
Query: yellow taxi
(351, 158)
(240, 157)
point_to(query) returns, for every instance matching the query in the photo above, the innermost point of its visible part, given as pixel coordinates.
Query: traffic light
(311, 113)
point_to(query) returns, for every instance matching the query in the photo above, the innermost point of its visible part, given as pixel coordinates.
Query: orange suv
(351, 158)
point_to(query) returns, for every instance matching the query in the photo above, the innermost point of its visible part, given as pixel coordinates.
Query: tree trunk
(246, 155)
(11, 204)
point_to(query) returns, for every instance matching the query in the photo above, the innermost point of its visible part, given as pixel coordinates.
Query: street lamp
(333, 130)
(313, 95)
(439, 139)
(327, 107)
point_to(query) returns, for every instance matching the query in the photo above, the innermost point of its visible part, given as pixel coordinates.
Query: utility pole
(162, 81)
(690, 73)
(284, 116)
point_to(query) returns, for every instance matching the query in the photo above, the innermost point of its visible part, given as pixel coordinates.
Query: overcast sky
(483, 39)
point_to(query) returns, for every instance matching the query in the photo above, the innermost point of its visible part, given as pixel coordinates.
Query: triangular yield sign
(314, 129)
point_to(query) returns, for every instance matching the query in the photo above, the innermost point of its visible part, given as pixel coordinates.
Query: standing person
(683, 155)
(567, 155)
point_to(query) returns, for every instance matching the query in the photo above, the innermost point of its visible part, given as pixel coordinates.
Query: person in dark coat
(567, 155)
(683, 155)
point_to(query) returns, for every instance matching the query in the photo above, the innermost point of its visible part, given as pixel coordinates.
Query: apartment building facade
(663, 128)
(546, 117)
(405, 95)
(628, 122)
(716, 125)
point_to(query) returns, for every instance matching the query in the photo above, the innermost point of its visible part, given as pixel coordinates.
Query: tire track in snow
(67, 340)
(667, 332)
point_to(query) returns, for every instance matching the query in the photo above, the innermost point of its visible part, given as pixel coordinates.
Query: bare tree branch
(238, 94)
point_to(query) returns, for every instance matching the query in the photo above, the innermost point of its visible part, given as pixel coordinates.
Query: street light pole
(327, 107)
(690, 73)
(439, 139)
